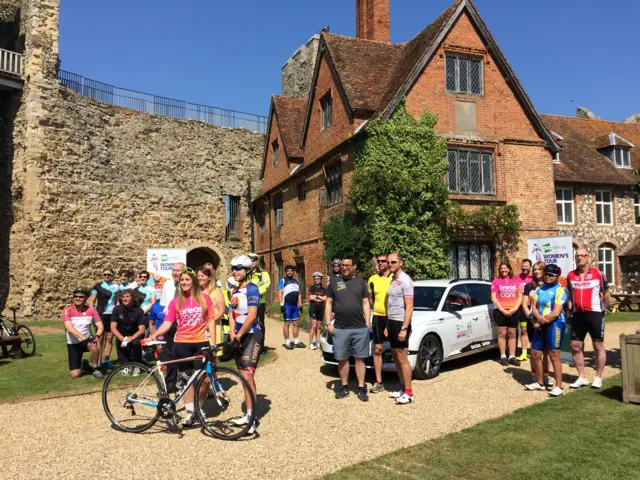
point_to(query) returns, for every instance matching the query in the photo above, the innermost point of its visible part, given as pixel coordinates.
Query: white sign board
(558, 250)
(160, 262)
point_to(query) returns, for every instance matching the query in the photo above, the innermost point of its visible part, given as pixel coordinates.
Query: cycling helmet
(241, 261)
(337, 261)
(317, 275)
(253, 256)
(553, 269)
(231, 283)
(83, 290)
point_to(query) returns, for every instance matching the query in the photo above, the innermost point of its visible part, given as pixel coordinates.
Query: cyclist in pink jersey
(589, 296)
(195, 315)
(507, 298)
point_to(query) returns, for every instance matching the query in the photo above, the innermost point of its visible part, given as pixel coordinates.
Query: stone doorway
(199, 256)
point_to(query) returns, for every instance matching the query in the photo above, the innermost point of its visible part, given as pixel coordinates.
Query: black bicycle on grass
(222, 397)
(11, 328)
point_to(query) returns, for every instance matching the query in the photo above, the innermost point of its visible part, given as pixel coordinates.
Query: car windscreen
(427, 298)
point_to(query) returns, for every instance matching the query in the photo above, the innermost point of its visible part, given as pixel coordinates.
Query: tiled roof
(580, 161)
(290, 114)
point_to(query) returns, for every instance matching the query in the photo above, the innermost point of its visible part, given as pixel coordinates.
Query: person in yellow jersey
(262, 280)
(378, 287)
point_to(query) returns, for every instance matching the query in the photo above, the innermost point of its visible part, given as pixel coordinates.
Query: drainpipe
(250, 205)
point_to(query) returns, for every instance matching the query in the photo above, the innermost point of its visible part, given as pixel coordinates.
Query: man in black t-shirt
(128, 326)
(317, 296)
(349, 298)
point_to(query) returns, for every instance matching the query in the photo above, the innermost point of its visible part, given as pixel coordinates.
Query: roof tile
(290, 113)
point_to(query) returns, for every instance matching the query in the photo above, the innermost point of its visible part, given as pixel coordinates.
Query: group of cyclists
(537, 301)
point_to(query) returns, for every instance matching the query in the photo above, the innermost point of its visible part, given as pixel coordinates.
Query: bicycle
(218, 404)
(28, 340)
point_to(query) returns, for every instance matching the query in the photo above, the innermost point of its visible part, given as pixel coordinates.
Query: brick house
(455, 69)
(594, 201)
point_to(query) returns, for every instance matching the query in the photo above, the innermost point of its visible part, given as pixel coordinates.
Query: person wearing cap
(78, 319)
(549, 323)
(244, 329)
(290, 306)
(336, 273)
(262, 280)
(317, 297)
(103, 299)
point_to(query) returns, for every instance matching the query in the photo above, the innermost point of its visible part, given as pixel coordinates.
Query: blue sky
(229, 54)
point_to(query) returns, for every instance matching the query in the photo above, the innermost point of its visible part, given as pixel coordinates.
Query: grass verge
(588, 434)
(46, 374)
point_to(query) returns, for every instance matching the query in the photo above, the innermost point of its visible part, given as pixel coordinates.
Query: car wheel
(429, 358)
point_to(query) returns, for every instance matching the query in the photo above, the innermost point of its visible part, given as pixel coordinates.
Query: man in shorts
(317, 297)
(78, 319)
(378, 287)
(290, 306)
(244, 329)
(522, 279)
(399, 312)
(350, 329)
(589, 296)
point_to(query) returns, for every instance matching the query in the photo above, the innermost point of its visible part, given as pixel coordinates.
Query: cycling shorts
(587, 322)
(394, 328)
(316, 310)
(75, 354)
(291, 313)
(522, 318)
(503, 321)
(184, 350)
(378, 325)
(248, 354)
(549, 336)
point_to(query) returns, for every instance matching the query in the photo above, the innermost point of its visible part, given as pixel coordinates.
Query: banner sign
(160, 262)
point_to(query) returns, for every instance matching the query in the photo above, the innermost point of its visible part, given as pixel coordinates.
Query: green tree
(398, 188)
(345, 233)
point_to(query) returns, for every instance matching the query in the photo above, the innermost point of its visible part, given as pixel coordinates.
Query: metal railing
(232, 207)
(168, 107)
(10, 62)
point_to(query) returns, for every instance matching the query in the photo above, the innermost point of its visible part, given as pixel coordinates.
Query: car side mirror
(454, 306)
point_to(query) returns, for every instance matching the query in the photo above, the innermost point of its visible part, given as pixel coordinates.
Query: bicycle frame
(208, 368)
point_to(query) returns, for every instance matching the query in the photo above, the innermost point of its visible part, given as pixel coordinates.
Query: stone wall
(588, 234)
(297, 73)
(94, 185)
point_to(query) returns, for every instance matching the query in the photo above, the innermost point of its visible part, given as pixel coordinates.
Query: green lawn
(47, 373)
(588, 434)
(623, 317)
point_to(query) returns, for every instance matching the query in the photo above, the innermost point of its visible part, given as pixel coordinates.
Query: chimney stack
(373, 20)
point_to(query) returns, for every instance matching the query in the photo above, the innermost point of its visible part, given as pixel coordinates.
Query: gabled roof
(580, 160)
(375, 76)
(611, 139)
(289, 114)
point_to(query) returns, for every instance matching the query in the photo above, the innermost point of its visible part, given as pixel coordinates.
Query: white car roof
(445, 282)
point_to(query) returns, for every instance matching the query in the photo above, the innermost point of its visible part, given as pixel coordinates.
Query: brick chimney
(373, 20)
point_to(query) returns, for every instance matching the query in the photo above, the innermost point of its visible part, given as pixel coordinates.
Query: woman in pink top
(507, 298)
(195, 314)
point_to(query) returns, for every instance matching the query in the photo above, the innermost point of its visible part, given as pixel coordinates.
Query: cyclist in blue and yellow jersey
(549, 323)
(245, 332)
(290, 306)
(262, 280)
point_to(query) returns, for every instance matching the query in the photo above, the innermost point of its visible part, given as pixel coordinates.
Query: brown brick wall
(274, 175)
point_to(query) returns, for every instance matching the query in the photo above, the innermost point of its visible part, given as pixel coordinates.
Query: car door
(480, 312)
(459, 322)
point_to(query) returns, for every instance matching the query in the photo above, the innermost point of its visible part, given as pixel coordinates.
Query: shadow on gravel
(524, 377)
(614, 359)
(264, 405)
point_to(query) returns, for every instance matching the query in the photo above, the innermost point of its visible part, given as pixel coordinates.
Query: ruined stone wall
(94, 185)
(297, 73)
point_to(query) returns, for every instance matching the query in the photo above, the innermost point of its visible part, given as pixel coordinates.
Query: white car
(451, 319)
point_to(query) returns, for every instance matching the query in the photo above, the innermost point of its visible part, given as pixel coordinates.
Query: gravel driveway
(304, 433)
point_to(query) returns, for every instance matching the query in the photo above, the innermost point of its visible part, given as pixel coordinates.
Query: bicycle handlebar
(151, 344)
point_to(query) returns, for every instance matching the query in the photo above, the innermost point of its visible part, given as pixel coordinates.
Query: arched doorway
(201, 255)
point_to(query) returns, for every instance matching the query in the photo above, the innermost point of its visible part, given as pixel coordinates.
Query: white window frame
(602, 264)
(565, 202)
(601, 204)
(624, 154)
(636, 210)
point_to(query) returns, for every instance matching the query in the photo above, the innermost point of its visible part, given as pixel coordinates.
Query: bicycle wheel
(131, 403)
(28, 343)
(221, 407)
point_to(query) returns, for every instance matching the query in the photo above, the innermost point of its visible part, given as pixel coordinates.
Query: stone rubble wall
(297, 73)
(95, 185)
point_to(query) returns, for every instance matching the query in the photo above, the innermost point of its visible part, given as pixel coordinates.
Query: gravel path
(304, 432)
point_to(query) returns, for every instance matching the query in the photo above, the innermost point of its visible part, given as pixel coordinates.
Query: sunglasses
(188, 270)
(393, 262)
(237, 268)
(346, 266)
(107, 274)
(383, 261)
(79, 296)
(550, 275)
(208, 265)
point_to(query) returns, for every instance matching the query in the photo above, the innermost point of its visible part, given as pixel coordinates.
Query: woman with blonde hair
(195, 315)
